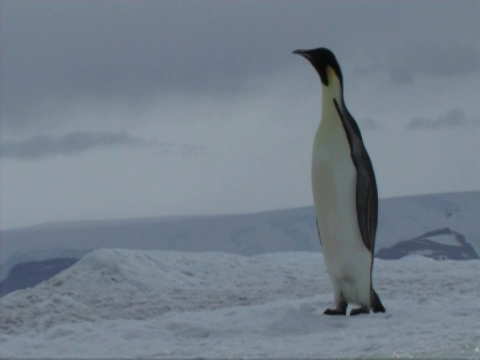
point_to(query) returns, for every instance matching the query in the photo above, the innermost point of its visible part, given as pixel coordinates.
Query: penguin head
(324, 62)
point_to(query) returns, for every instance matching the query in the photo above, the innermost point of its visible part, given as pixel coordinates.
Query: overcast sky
(119, 109)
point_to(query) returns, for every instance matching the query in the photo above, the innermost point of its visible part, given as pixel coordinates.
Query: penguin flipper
(366, 189)
(367, 207)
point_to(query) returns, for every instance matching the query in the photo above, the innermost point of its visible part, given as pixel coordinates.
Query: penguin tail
(376, 304)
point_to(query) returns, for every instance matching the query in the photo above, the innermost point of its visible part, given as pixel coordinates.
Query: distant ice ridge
(39, 255)
(440, 244)
(400, 219)
(133, 303)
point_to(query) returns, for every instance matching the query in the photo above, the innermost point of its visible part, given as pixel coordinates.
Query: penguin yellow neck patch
(334, 88)
(333, 80)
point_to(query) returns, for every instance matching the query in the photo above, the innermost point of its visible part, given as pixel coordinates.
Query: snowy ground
(134, 303)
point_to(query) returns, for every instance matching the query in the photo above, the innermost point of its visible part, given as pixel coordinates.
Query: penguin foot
(335, 312)
(360, 310)
(340, 310)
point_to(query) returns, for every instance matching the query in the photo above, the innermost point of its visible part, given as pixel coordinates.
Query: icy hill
(400, 219)
(134, 303)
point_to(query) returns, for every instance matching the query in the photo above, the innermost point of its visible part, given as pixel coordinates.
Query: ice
(136, 303)
(449, 239)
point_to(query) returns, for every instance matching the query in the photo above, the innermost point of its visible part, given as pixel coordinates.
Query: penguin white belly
(334, 190)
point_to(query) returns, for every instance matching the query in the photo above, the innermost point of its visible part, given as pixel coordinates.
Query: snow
(408, 217)
(448, 239)
(121, 303)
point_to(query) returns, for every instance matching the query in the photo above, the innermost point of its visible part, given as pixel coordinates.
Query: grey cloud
(404, 64)
(368, 124)
(41, 146)
(441, 61)
(134, 50)
(453, 119)
(476, 121)
(373, 65)
(189, 150)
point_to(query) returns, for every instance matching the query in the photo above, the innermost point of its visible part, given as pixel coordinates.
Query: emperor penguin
(344, 193)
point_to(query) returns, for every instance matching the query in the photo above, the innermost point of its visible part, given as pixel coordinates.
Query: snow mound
(136, 284)
(125, 304)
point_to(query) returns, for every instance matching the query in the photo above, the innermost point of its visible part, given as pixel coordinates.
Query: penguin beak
(303, 53)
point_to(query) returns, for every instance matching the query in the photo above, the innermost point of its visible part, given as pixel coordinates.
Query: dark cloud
(476, 122)
(452, 119)
(41, 146)
(368, 124)
(404, 64)
(134, 50)
(442, 61)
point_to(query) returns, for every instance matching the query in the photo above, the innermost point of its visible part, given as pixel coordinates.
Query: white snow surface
(120, 303)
